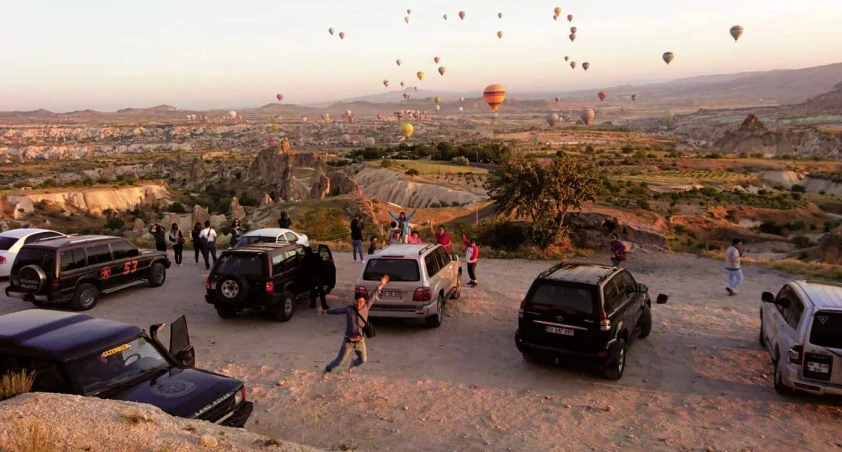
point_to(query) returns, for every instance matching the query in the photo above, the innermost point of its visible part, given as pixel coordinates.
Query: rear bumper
(403, 311)
(251, 301)
(240, 416)
(30, 297)
(529, 348)
(792, 379)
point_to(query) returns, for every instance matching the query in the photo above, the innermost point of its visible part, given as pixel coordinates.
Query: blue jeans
(357, 245)
(735, 277)
(345, 351)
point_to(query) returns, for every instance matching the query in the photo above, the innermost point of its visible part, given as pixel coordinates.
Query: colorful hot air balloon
(553, 119)
(634, 97)
(409, 11)
(279, 96)
(462, 15)
(402, 84)
(494, 95)
(330, 30)
(573, 65)
(557, 11)
(586, 65)
(348, 113)
(420, 75)
(436, 59)
(668, 57)
(572, 37)
(369, 141)
(573, 29)
(555, 16)
(346, 138)
(406, 130)
(601, 95)
(406, 19)
(437, 100)
(500, 34)
(398, 61)
(442, 70)
(557, 99)
(444, 16)
(570, 17)
(462, 99)
(438, 107)
(566, 58)
(499, 15)
(461, 109)
(342, 35)
(232, 114)
(303, 119)
(386, 83)
(736, 32)
(586, 116)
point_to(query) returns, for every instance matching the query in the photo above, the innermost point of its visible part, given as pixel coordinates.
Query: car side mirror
(767, 297)
(642, 288)
(153, 331)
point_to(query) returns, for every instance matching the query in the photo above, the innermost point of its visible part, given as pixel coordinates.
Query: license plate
(392, 294)
(213, 285)
(29, 286)
(562, 331)
(819, 368)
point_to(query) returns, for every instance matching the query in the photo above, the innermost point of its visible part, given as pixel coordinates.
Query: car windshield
(243, 263)
(249, 240)
(397, 269)
(7, 242)
(827, 330)
(42, 258)
(116, 366)
(571, 299)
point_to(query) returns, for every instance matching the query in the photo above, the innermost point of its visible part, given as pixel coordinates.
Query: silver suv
(421, 280)
(801, 328)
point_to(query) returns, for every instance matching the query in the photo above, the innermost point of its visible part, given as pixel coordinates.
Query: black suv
(78, 269)
(584, 311)
(263, 276)
(78, 354)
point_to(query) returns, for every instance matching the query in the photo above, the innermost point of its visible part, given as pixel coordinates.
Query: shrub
(679, 229)
(248, 200)
(177, 207)
(455, 204)
(16, 383)
(386, 163)
(461, 161)
(643, 204)
(325, 225)
(49, 183)
(114, 222)
(412, 172)
(798, 189)
(801, 241)
(715, 155)
(770, 227)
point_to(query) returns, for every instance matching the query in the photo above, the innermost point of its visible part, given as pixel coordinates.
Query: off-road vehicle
(583, 311)
(801, 328)
(78, 354)
(263, 276)
(77, 269)
(421, 280)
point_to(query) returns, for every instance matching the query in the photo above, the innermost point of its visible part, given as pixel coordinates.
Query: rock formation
(236, 210)
(592, 229)
(94, 201)
(754, 137)
(267, 200)
(342, 184)
(320, 188)
(197, 172)
(200, 215)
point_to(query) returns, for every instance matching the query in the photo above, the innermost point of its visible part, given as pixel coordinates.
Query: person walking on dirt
(176, 241)
(160, 237)
(357, 227)
(314, 268)
(403, 224)
(285, 222)
(394, 234)
(208, 239)
(733, 255)
(236, 233)
(618, 250)
(198, 248)
(356, 318)
(443, 239)
(471, 257)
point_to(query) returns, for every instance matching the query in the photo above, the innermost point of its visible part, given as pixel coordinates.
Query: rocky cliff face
(753, 137)
(274, 168)
(387, 185)
(95, 201)
(593, 229)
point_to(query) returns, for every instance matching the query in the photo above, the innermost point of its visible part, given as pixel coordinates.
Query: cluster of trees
(484, 152)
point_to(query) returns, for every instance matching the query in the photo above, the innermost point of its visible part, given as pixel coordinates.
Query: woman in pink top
(414, 238)
(471, 256)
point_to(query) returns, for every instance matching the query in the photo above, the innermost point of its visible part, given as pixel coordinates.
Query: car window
(103, 371)
(98, 254)
(571, 299)
(796, 310)
(785, 294)
(431, 264)
(124, 250)
(49, 376)
(443, 257)
(827, 329)
(7, 243)
(42, 258)
(278, 263)
(631, 284)
(291, 238)
(397, 269)
(249, 264)
(613, 300)
(292, 259)
(72, 259)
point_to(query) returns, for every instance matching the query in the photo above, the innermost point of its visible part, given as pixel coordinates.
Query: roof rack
(551, 270)
(84, 239)
(432, 245)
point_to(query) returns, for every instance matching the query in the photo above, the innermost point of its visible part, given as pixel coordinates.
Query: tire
(645, 322)
(780, 387)
(85, 297)
(434, 321)
(232, 289)
(458, 292)
(226, 312)
(283, 313)
(617, 365)
(157, 275)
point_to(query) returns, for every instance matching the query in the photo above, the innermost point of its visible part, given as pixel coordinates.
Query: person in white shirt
(732, 265)
(208, 238)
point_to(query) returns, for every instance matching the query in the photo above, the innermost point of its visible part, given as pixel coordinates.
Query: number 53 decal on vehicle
(129, 267)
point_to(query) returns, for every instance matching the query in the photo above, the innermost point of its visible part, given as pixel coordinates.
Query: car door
(330, 266)
(180, 346)
(101, 265)
(448, 279)
(614, 301)
(431, 267)
(633, 301)
(776, 323)
(128, 262)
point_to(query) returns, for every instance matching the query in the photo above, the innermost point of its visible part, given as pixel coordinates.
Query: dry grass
(16, 383)
(811, 270)
(34, 438)
(134, 418)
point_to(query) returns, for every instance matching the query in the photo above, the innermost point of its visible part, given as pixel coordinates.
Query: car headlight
(239, 396)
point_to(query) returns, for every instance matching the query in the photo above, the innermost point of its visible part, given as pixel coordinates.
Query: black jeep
(584, 311)
(78, 354)
(264, 276)
(78, 269)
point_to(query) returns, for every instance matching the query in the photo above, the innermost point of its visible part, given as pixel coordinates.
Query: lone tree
(542, 193)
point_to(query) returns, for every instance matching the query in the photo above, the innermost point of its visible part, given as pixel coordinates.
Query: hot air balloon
(499, 15)
(415, 88)
(330, 30)
(402, 84)
(555, 16)
(406, 130)
(494, 95)
(570, 17)
(409, 11)
(280, 97)
(442, 70)
(586, 65)
(500, 34)
(386, 83)
(406, 19)
(557, 11)
(420, 75)
(462, 15)
(405, 96)
(437, 100)
(573, 29)
(573, 65)
(444, 16)
(438, 107)
(369, 141)
(436, 59)
(736, 32)
(462, 99)
(346, 138)
(303, 119)
(634, 97)
(601, 95)
(348, 113)
(668, 57)
(188, 117)
(586, 116)
(461, 109)
(232, 114)
(398, 61)
(552, 119)
(572, 37)
(566, 58)
(342, 35)
(326, 117)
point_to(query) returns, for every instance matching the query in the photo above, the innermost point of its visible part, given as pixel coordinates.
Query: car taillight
(795, 356)
(422, 294)
(2, 260)
(360, 292)
(605, 322)
(523, 304)
(54, 284)
(207, 284)
(270, 287)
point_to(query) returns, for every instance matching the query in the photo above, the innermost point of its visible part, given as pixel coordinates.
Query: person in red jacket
(471, 256)
(443, 239)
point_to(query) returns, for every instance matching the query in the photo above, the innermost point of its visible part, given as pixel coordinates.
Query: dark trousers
(178, 249)
(472, 271)
(320, 290)
(210, 248)
(161, 246)
(198, 250)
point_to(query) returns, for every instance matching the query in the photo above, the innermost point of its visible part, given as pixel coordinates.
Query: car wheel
(780, 387)
(615, 368)
(458, 292)
(645, 322)
(85, 297)
(225, 312)
(283, 312)
(157, 275)
(434, 321)
(232, 289)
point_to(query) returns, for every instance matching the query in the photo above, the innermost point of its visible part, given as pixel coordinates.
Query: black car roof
(60, 335)
(61, 242)
(583, 273)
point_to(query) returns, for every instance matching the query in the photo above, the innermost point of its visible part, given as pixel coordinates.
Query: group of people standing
(203, 239)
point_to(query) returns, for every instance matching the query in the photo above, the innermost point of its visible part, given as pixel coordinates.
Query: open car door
(180, 346)
(330, 267)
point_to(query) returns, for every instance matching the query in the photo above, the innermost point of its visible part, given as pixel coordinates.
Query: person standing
(208, 239)
(314, 268)
(471, 257)
(372, 245)
(394, 234)
(618, 250)
(403, 224)
(176, 241)
(198, 248)
(356, 318)
(159, 235)
(285, 222)
(443, 239)
(357, 227)
(236, 232)
(733, 255)
(414, 238)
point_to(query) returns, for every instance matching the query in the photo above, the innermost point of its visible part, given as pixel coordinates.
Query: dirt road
(700, 381)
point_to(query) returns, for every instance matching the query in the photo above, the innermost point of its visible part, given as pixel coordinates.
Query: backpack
(368, 328)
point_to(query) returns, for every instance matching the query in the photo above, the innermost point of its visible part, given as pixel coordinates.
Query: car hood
(183, 392)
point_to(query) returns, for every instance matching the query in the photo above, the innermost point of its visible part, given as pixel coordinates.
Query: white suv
(801, 328)
(421, 280)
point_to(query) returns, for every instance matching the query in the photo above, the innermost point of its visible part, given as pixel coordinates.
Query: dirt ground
(699, 382)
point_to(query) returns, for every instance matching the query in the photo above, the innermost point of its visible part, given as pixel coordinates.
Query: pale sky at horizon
(106, 55)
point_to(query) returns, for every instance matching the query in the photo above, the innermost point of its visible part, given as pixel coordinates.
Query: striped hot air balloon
(494, 95)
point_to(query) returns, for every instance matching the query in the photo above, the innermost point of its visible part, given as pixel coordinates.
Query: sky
(104, 54)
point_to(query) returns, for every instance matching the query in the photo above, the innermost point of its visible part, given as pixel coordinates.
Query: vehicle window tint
(48, 374)
(278, 263)
(291, 238)
(98, 254)
(124, 250)
(42, 258)
(72, 259)
(7, 242)
(631, 284)
(325, 253)
(292, 259)
(785, 294)
(827, 330)
(612, 296)
(443, 257)
(397, 269)
(793, 317)
(571, 299)
(249, 264)
(37, 237)
(431, 264)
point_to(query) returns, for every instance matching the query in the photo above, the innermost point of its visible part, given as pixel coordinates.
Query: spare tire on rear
(32, 278)
(232, 289)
